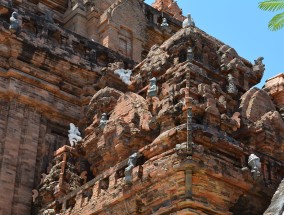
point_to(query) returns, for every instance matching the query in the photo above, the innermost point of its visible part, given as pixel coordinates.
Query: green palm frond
(276, 22)
(271, 5)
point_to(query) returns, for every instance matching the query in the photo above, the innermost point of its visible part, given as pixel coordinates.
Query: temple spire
(170, 7)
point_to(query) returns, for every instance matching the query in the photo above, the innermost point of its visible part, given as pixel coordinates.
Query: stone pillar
(109, 38)
(76, 21)
(18, 158)
(137, 49)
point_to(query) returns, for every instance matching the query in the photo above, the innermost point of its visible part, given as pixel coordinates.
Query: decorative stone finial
(255, 165)
(128, 170)
(188, 22)
(103, 120)
(153, 90)
(74, 135)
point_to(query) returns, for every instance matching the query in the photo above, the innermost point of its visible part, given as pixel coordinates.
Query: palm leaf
(271, 5)
(276, 22)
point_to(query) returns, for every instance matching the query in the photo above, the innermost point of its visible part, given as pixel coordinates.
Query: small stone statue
(14, 22)
(74, 135)
(43, 176)
(153, 90)
(255, 165)
(103, 121)
(188, 22)
(128, 170)
(34, 195)
(231, 88)
(164, 23)
(190, 54)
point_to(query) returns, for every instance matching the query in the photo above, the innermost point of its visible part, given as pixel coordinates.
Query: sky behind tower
(241, 25)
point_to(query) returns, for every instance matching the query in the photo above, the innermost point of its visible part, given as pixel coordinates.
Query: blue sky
(241, 25)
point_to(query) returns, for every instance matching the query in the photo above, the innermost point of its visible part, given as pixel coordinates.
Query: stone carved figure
(190, 54)
(74, 135)
(14, 22)
(188, 22)
(255, 165)
(164, 23)
(232, 88)
(34, 195)
(128, 170)
(153, 90)
(103, 121)
(258, 67)
(124, 75)
(43, 176)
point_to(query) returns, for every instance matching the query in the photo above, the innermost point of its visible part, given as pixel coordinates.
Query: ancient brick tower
(168, 121)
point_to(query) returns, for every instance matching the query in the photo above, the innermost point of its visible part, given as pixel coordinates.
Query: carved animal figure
(49, 212)
(74, 135)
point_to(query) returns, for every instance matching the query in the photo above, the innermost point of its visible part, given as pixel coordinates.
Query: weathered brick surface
(50, 77)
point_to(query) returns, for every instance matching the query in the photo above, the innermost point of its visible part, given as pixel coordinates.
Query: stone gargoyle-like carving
(255, 165)
(74, 135)
(128, 170)
(14, 22)
(258, 67)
